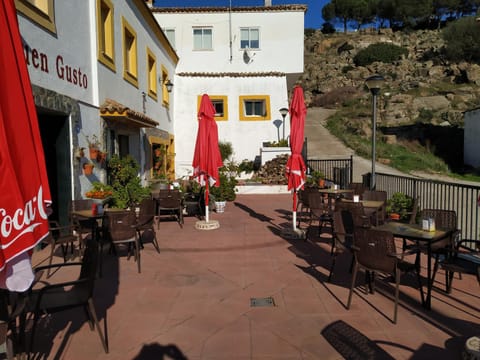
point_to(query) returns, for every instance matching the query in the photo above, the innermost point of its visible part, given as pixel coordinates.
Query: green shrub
(382, 52)
(462, 39)
(125, 181)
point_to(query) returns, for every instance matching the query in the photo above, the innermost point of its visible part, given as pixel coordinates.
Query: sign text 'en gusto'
(64, 71)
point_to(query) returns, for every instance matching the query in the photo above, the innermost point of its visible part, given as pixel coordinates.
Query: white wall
(246, 136)
(471, 138)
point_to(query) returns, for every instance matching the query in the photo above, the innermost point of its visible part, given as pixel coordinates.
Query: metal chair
(121, 227)
(145, 222)
(52, 298)
(464, 259)
(375, 251)
(62, 236)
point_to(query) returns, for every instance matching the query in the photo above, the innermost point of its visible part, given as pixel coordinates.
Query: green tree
(345, 11)
(462, 39)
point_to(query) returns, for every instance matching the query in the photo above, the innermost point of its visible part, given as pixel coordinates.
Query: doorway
(55, 134)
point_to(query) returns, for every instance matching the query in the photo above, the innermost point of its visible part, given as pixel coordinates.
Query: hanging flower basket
(88, 168)
(93, 152)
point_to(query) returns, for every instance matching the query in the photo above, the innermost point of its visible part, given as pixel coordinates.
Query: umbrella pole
(206, 201)
(294, 209)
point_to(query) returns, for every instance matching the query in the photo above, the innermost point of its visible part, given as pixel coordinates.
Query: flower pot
(93, 153)
(220, 206)
(394, 216)
(88, 169)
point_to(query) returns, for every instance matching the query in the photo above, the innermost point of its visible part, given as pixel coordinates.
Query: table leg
(428, 300)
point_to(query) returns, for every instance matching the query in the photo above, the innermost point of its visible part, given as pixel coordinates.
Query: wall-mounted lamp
(169, 85)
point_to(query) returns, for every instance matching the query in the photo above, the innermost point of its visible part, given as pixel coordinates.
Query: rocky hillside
(422, 85)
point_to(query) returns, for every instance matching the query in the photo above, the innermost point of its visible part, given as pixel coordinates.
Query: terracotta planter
(93, 153)
(394, 216)
(88, 169)
(321, 183)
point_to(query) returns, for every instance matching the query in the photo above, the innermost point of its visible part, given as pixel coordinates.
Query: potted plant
(400, 206)
(226, 191)
(125, 182)
(94, 146)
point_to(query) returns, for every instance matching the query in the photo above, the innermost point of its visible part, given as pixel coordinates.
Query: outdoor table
(372, 207)
(333, 193)
(415, 233)
(88, 214)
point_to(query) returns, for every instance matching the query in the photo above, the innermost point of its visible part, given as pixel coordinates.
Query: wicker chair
(62, 236)
(83, 226)
(304, 205)
(122, 230)
(342, 237)
(318, 211)
(170, 203)
(377, 195)
(375, 251)
(445, 220)
(358, 212)
(145, 222)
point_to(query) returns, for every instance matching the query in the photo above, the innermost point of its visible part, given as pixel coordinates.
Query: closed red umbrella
(207, 158)
(295, 169)
(24, 190)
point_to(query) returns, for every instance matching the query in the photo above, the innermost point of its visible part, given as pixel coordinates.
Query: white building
(246, 59)
(471, 144)
(99, 70)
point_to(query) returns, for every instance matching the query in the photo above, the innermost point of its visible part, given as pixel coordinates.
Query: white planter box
(270, 153)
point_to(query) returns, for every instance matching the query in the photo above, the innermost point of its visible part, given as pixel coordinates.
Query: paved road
(322, 145)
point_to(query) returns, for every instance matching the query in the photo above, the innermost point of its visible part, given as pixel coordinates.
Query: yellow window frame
(165, 93)
(105, 34)
(129, 43)
(162, 158)
(241, 108)
(152, 74)
(41, 12)
(214, 98)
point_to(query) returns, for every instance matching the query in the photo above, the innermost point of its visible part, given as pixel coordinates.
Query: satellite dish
(246, 57)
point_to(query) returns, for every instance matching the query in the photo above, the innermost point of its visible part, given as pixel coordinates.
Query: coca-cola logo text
(22, 220)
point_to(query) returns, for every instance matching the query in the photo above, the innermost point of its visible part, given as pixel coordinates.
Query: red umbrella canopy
(207, 158)
(24, 190)
(295, 169)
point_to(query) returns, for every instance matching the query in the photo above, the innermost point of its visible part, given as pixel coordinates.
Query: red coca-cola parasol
(295, 169)
(207, 158)
(24, 190)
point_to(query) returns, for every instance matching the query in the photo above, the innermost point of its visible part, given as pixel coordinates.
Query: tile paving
(192, 300)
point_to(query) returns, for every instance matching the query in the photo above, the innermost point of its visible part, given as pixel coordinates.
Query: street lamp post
(284, 112)
(374, 83)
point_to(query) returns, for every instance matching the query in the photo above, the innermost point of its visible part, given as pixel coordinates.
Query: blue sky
(313, 16)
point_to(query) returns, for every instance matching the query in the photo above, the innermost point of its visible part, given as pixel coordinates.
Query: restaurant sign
(64, 71)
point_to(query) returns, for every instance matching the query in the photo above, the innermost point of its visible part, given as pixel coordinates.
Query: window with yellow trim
(152, 74)
(220, 104)
(254, 107)
(105, 33)
(41, 12)
(163, 158)
(129, 53)
(165, 93)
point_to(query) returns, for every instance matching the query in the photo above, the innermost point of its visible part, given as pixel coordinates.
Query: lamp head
(375, 83)
(283, 111)
(169, 85)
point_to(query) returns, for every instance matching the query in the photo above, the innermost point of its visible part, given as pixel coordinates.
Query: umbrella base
(204, 225)
(294, 234)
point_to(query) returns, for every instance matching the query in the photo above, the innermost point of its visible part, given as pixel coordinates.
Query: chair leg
(332, 266)
(32, 335)
(397, 284)
(354, 278)
(93, 314)
(137, 254)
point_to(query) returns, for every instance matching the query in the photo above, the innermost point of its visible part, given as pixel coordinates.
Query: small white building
(99, 70)
(246, 59)
(471, 143)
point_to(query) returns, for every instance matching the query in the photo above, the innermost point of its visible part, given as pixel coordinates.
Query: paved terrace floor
(193, 300)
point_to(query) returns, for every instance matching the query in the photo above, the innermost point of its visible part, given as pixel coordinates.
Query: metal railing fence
(435, 194)
(340, 171)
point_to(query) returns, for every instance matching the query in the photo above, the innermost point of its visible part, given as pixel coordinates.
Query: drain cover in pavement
(268, 301)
